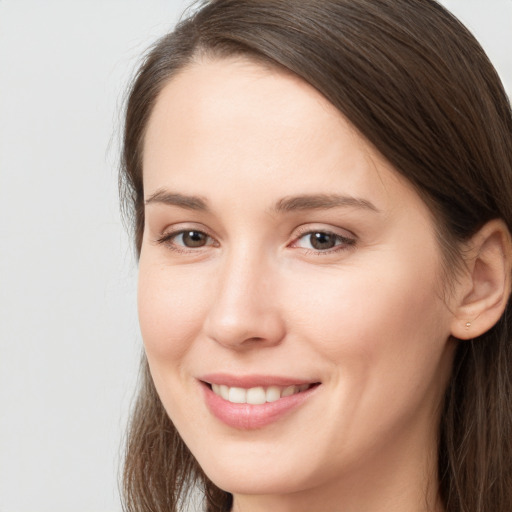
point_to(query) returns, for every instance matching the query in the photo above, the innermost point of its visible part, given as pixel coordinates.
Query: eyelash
(166, 239)
(342, 242)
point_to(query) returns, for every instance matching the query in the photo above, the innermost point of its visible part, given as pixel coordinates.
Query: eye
(186, 239)
(323, 241)
(191, 238)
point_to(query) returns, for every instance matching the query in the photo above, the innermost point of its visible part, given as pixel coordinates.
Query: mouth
(255, 401)
(258, 395)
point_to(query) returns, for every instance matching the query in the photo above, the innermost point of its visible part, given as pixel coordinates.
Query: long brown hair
(412, 79)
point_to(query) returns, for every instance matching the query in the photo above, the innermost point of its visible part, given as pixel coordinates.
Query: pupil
(322, 241)
(194, 239)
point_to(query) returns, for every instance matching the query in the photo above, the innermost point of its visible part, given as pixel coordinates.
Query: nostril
(243, 321)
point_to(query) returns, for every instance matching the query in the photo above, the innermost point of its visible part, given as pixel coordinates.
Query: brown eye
(322, 241)
(192, 238)
(186, 240)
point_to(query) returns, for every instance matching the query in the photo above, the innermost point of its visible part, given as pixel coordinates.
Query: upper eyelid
(174, 233)
(184, 227)
(307, 229)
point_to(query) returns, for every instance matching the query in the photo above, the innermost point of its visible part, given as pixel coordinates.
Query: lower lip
(247, 416)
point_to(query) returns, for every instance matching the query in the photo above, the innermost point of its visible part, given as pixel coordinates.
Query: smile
(254, 401)
(257, 395)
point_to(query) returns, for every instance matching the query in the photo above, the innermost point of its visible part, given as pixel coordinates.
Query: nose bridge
(244, 274)
(244, 308)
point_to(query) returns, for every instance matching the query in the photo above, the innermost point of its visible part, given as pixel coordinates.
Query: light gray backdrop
(69, 341)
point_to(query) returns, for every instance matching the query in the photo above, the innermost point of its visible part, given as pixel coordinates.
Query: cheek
(377, 321)
(383, 337)
(171, 302)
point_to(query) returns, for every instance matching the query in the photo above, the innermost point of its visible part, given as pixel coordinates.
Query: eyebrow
(173, 199)
(284, 205)
(322, 202)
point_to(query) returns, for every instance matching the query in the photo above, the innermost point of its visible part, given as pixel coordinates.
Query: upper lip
(253, 381)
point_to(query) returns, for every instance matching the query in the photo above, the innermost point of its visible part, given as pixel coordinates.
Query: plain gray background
(69, 340)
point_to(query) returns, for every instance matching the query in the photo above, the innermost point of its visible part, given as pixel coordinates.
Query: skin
(368, 318)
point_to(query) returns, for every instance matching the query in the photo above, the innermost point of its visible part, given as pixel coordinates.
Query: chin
(259, 474)
(255, 482)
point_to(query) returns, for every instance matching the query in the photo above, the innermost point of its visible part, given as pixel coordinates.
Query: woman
(322, 200)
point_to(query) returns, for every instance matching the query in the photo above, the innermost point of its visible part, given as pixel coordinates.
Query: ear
(484, 290)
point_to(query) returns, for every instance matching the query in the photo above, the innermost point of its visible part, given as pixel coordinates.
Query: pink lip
(247, 416)
(252, 381)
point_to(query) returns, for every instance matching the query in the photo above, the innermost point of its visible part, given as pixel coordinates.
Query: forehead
(239, 99)
(258, 129)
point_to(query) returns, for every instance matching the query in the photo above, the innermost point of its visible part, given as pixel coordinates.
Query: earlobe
(485, 288)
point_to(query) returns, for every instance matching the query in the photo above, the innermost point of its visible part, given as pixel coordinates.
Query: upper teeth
(258, 395)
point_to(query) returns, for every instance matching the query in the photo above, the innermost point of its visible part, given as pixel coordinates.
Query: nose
(245, 312)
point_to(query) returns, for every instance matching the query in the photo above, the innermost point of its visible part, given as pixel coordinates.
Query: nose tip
(245, 312)
(237, 331)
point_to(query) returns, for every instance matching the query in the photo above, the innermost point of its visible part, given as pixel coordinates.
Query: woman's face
(286, 264)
